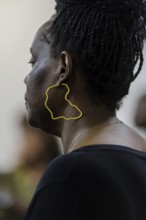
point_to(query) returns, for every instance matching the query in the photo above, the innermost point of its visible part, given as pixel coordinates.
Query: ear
(65, 67)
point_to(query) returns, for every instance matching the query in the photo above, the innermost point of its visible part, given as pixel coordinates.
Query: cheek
(35, 83)
(43, 75)
(38, 75)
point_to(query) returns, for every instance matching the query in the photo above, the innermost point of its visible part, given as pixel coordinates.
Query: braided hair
(105, 37)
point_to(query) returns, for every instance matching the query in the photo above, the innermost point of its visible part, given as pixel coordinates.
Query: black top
(100, 182)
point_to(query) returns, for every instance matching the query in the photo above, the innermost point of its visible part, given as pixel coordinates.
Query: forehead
(41, 34)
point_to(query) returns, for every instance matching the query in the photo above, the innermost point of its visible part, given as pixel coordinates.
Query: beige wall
(138, 88)
(19, 20)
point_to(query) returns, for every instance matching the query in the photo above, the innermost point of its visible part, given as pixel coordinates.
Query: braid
(106, 39)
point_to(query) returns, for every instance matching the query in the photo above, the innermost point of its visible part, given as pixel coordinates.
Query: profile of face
(46, 71)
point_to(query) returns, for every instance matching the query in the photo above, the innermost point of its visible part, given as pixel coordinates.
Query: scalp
(106, 39)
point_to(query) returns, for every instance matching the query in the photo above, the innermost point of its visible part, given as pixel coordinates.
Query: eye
(32, 61)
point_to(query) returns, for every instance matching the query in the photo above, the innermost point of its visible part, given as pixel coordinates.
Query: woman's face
(43, 74)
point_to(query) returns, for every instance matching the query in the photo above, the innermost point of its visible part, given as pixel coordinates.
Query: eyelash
(32, 62)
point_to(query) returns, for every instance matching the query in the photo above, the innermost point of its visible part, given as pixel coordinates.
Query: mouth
(26, 101)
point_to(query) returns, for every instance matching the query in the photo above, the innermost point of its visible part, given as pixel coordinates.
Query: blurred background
(23, 149)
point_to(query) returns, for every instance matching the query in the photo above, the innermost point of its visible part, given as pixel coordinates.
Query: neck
(72, 130)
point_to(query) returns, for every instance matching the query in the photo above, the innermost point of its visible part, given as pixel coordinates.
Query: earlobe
(65, 67)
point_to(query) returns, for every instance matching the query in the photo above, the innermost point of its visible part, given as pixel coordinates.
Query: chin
(32, 118)
(32, 122)
(39, 121)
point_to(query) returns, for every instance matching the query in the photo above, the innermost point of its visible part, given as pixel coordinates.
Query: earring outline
(66, 99)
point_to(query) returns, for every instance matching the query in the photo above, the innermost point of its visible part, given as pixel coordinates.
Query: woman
(83, 62)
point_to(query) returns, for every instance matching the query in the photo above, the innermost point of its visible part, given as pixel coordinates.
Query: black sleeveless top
(99, 182)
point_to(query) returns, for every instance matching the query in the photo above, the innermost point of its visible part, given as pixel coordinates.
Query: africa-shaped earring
(66, 98)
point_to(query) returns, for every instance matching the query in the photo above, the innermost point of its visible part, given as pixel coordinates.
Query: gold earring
(66, 98)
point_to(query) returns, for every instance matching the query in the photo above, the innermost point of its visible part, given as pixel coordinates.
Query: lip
(25, 97)
(26, 101)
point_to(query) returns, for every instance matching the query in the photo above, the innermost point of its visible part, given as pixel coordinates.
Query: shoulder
(60, 169)
(74, 167)
(93, 163)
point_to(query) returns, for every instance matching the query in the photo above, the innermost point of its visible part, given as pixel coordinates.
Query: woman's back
(94, 182)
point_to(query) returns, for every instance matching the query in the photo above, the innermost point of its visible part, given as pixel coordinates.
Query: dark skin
(48, 71)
